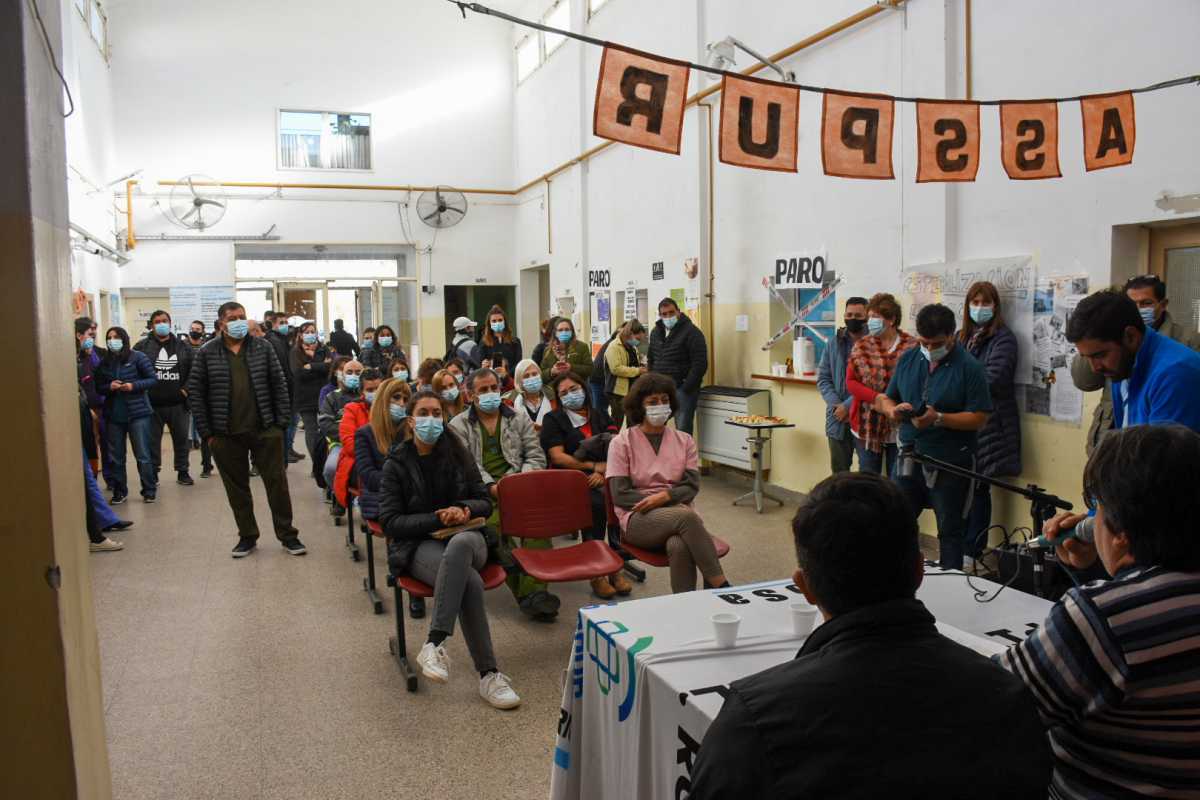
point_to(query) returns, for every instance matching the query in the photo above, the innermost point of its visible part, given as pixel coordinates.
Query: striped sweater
(1115, 671)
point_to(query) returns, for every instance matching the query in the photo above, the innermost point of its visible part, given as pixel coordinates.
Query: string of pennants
(641, 99)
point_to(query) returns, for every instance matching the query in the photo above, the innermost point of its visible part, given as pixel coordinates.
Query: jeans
(137, 431)
(870, 461)
(331, 464)
(232, 454)
(948, 499)
(176, 419)
(452, 569)
(90, 517)
(289, 436)
(841, 453)
(686, 414)
(103, 512)
(596, 392)
(979, 520)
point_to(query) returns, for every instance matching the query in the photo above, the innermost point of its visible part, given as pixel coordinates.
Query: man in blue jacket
(831, 383)
(1155, 379)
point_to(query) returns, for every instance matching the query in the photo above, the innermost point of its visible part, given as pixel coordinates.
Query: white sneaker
(105, 545)
(434, 662)
(969, 565)
(496, 689)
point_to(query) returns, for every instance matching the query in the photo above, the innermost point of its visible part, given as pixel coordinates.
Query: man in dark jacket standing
(678, 349)
(342, 342)
(172, 360)
(277, 335)
(238, 396)
(877, 703)
(831, 383)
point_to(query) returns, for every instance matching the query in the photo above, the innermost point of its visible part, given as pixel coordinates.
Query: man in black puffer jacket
(239, 399)
(678, 349)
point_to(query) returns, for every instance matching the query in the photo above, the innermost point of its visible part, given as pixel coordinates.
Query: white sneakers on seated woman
(494, 687)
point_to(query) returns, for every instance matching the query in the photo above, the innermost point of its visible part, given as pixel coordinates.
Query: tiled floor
(269, 677)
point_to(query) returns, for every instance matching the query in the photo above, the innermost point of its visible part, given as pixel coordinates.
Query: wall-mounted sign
(802, 270)
(631, 300)
(656, 271)
(599, 278)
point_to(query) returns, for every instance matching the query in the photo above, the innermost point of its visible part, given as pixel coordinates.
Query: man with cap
(463, 345)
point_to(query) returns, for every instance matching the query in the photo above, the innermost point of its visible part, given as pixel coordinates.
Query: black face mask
(195, 334)
(856, 325)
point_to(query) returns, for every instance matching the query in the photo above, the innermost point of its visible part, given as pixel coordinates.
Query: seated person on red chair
(563, 430)
(355, 415)
(431, 482)
(654, 475)
(877, 703)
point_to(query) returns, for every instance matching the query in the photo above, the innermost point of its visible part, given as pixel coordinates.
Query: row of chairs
(524, 514)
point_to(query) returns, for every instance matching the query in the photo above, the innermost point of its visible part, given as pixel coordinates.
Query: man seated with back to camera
(877, 703)
(939, 394)
(1114, 667)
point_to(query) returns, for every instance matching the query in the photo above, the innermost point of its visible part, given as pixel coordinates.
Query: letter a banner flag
(759, 123)
(856, 135)
(1029, 140)
(1108, 130)
(640, 99)
(947, 141)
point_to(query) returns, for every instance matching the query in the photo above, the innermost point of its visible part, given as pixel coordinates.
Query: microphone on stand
(1084, 531)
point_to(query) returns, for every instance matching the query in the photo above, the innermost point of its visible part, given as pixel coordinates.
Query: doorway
(535, 303)
(1175, 257)
(474, 302)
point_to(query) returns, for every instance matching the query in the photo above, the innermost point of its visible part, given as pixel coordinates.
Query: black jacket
(209, 383)
(368, 471)
(557, 430)
(877, 704)
(511, 352)
(406, 509)
(683, 355)
(172, 362)
(343, 342)
(307, 383)
(283, 352)
(999, 448)
(379, 357)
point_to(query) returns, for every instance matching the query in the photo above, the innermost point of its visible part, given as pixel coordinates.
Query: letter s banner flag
(1029, 140)
(759, 123)
(856, 135)
(947, 141)
(640, 99)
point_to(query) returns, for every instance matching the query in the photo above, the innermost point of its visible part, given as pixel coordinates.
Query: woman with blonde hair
(373, 441)
(447, 386)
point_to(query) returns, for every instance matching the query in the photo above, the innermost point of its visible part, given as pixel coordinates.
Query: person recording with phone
(939, 395)
(1113, 667)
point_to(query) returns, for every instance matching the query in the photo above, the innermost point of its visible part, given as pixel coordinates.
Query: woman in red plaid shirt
(870, 369)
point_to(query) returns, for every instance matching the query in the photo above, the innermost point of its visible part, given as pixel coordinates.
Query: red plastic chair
(493, 575)
(548, 503)
(653, 558)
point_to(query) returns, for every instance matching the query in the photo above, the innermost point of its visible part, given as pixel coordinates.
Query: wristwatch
(937, 421)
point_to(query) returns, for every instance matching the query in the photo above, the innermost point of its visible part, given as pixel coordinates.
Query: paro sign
(800, 270)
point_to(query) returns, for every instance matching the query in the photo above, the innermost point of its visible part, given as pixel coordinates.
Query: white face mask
(658, 415)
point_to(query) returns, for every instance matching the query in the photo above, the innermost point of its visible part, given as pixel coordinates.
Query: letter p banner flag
(759, 122)
(856, 135)
(1108, 130)
(640, 99)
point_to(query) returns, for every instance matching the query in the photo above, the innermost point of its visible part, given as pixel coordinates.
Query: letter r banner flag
(1108, 130)
(947, 141)
(759, 122)
(856, 135)
(640, 99)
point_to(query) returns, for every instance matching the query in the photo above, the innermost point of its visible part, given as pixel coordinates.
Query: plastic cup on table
(804, 617)
(725, 628)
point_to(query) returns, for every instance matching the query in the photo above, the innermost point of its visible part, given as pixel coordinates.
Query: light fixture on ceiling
(721, 56)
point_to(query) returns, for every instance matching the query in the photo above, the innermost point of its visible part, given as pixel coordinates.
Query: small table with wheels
(757, 441)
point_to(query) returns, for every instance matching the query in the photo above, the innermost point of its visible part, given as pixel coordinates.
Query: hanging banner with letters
(759, 124)
(1029, 140)
(1108, 130)
(640, 99)
(947, 141)
(856, 135)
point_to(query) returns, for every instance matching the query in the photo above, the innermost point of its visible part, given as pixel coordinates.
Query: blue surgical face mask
(369, 397)
(398, 412)
(352, 382)
(982, 315)
(450, 395)
(633, 342)
(489, 402)
(237, 328)
(1147, 315)
(458, 376)
(400, 374)
(875, 326)
(283, 328)
(573, 399)
(88, 343)
(385, 341)
(162, 329)
(429, 429)
(498, 327)
(310, 338)
(367, 344)
(935, 355)
(115, 345)
(533, 384)
(670, 322)
(563, 336)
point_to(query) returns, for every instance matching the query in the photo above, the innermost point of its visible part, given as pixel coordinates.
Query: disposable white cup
(804, 618)
(725, 627)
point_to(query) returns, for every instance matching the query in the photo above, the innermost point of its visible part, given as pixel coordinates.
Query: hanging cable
(37, 15)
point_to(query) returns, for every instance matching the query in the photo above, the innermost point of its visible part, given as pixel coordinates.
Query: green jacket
(579, 356)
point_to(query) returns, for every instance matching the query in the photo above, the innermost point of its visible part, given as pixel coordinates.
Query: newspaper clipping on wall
(1052, 393)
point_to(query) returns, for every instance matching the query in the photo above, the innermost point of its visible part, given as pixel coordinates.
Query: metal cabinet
(726, 444)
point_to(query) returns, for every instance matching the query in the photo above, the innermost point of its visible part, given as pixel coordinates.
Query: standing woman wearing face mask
(529, 394)
(654, 475)
(985, 336)
(310, 369)
(431, 482)
(563, 432)
(449, 389)
(383, 349)
(566, 354)
(623, 367)
(872, 362)
(124, 379)
(499, 348)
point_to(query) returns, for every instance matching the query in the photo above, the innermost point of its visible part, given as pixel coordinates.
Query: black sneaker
(119, 525)
(294, 546)
(416, 607)
(293, 457)
(184, 479)
(149, 497)
(244, 547)
(541, 606)
(206, 472)
(118, 498)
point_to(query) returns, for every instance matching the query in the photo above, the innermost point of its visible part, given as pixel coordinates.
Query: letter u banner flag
(856, 135)
(640, 99)
(947, 141)
(759, 123)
